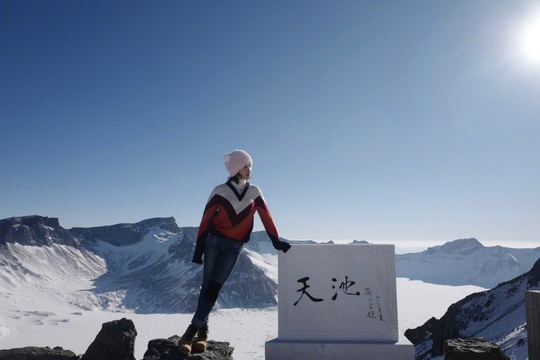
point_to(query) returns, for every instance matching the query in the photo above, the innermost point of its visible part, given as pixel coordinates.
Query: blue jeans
(220, 256)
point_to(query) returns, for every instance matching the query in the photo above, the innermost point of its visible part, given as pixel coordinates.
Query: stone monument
(337, 302)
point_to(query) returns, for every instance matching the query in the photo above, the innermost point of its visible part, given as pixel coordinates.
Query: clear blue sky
(378, 120)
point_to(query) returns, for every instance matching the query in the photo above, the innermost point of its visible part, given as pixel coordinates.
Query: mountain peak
(125, 234)
(466, 262)
(461, 246)
(360, 242)
(31, 220)
(34, 230)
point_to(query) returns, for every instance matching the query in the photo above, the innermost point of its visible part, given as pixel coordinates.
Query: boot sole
(199, 348)
(185, 350)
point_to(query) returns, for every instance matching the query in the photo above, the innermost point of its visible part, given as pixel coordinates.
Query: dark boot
(199, 344)
(187, 339)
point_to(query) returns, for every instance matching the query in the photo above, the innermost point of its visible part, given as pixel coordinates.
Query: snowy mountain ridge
(466, 262)
(146, 268)
(150, 272)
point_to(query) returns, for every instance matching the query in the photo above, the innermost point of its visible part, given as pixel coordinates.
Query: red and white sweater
(230, 213)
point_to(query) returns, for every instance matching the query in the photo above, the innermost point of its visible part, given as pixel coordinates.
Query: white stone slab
(277, 349)
(337, 292)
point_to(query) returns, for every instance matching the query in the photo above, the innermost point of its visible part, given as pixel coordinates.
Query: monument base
(277, 349)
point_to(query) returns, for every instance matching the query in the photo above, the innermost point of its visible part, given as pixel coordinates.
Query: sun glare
(530, 39)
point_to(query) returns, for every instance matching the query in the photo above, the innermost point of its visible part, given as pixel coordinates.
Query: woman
(225, 227)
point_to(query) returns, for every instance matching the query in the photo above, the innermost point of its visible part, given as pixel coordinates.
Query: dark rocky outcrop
(38, 353)
(35, 231)
(472, 349)
(115, 341)
(167, 349)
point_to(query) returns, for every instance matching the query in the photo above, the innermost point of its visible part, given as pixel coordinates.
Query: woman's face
(245, 172)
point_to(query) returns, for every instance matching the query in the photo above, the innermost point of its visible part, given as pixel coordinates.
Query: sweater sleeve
(268, 223)
(210, 211)
(266, 218)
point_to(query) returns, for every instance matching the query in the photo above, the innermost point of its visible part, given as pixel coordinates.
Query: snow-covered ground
(32, 321)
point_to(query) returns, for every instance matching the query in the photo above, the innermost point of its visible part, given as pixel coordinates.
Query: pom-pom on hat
(236, 160)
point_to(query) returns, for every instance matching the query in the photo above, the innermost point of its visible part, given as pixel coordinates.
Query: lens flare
(530, 40)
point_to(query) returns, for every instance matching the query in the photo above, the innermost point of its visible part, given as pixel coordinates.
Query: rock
(167, 349)
(472, 349)
(115, 341)
(38, 353)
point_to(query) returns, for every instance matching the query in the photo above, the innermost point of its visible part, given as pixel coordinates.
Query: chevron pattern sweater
(231, 214)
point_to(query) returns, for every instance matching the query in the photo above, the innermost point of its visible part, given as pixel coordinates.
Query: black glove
(281, 245)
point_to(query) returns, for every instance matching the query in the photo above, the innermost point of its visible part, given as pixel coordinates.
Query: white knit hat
(236, 160)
